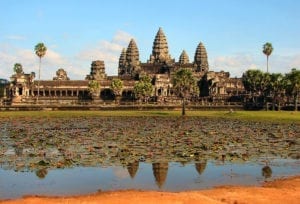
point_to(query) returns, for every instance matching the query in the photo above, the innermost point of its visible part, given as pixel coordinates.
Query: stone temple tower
(160, 49)
(132, 58)
(122, 62)
(97, 71)
(184, 58)
(200, 60)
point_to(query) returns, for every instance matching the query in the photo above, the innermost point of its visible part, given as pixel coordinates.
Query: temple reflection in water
(159, 169)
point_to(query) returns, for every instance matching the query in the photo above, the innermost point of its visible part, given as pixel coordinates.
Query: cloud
(295, 61)
(238, 63)
(50, 62)
(235, 64)
(121, 37)
(10, 55)
(108, 51)
(15, 37)
(77, 66)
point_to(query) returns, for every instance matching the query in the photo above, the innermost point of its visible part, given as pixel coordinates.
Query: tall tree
(251, 80)
(40, 50)
(143, 89)
(184, 85)
(276, 88)
(117, 86)
(18, 68)
(256, 84)
(293, 85)
(267, 50)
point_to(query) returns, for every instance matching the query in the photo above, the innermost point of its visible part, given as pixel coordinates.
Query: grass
(271, 116)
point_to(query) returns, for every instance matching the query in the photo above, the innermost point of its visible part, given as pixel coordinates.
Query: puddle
(171, 176)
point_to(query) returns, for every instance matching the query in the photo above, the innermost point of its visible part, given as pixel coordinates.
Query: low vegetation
(268, 116)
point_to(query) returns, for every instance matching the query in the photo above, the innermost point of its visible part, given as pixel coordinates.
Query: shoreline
(277, 191)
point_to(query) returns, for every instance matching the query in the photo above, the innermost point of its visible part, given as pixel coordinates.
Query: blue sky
(76, 32)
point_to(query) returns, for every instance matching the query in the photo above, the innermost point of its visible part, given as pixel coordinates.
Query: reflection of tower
(133, 168)
(41, 173)
(266, 172)
(160, 171)
(200, 166)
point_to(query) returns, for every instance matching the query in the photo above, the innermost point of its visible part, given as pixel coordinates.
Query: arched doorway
(107, 94)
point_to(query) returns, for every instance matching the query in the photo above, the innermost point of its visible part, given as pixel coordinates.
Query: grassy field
(272, 116)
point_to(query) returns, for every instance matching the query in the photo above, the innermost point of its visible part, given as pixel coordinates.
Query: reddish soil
(279, 191)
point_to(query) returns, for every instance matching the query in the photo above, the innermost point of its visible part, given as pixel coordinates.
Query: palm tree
(40, 50)
(185, 85)
(267, 50)
(293, 85)
(276, 88)
(256, 83)
(117, 86)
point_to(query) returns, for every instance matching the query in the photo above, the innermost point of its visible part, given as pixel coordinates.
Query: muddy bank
(279, 191)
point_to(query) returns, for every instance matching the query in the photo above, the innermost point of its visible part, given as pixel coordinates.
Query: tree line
(279, 89)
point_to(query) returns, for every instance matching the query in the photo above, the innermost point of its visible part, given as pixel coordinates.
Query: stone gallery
(160, 67)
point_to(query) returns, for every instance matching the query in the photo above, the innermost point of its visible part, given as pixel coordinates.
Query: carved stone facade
(97, 71)
(61, 74)
(160, 67)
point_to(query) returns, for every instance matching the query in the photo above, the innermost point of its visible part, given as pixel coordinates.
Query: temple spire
(122, 62)
(132, 58)
(184, 58)
(200, 60)
(160, 49)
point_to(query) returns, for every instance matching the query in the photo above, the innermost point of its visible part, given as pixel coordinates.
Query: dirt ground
(278, 191)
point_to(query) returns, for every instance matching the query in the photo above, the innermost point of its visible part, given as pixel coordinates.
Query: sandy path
(279, 191)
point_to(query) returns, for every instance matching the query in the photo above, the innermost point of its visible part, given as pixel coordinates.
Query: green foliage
(40, 50)
(117, 86)
(143, 88)
(293, 81)
(18, 68)
(293, 85)
(276, 84)
(255, 81)
(268, 49)
(93, 87)
(265, 116)
(184, 83)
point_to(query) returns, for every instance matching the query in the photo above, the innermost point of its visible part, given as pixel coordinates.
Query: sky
(77, 32)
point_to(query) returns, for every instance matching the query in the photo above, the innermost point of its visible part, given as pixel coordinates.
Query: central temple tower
(160, 49)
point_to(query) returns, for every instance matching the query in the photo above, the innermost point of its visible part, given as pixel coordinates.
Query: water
(172, 176)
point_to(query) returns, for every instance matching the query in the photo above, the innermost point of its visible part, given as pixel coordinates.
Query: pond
(63, 156)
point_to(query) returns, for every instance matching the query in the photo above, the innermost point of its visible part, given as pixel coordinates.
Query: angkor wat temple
(213, 86)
